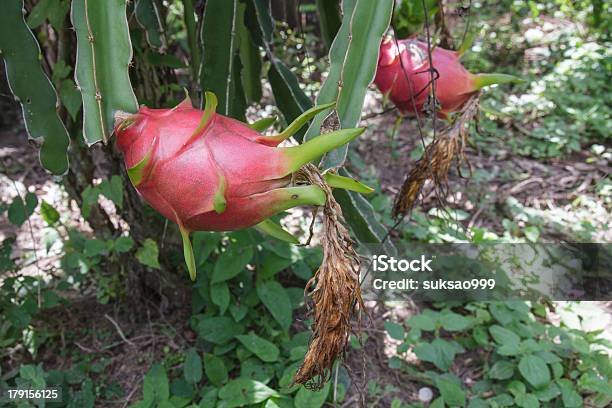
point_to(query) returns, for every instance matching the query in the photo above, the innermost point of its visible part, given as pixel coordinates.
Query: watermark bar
(487, 271)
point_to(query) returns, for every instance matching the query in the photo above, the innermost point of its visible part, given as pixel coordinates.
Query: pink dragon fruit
(205, 171)
(406, 81)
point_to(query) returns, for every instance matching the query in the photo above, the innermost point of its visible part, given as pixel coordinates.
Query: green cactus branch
(32, 88)
(149, 16)
(104, 53)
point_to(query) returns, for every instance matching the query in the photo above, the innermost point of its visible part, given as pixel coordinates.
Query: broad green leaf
(450, 389)
(32, 88)
(218, 329)
(569, 396)
(220, 296)
(394, 330)
(534, 370)
(104, 54)
(19, 211)
(244, 391)
(150, 17)
(155, 386)
(219, 49)
(423, 322)
(215, 369)
(70, 97)
(113, 190)
(527, 401)
(123, 244)
(262, 348)
(549, 393)
(501, 370)
(148, 254)
(231, 263)
(504, 336)
(192, 368)
(454, 322)
(439, 352)
(95, 247)
(276, 300)
(311, 399)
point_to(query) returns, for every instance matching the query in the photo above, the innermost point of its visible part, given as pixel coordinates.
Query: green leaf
(549, 393)
(504, 336)
(527, 401)
(306, 398)
(501, 370)
(231, 263)
(70, 97)
(454, 322)
(409, 17)
(276, 300)
(32, 88)
(94, 247)
(569, 396)
(104, 53)
(534, 370)
(220, 296)
(262, 348)
(394, 330)
(218, 329)
(19, 211)
(192, 368)
(219, 45)
(149, 16)
(244, 391)
(123, 244)
(155, 386)
(215, 369)
(113, 190)
(422, 322)
(450, 389)
(148, 254)
(48, 213)
(439, 352)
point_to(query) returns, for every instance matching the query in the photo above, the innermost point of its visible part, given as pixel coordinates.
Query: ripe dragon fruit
(407, 81)
(208, 172)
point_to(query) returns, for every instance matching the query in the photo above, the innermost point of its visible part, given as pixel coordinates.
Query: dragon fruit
(205, 171)
(407, 81)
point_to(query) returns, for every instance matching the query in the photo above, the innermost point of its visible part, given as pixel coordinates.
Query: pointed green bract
(347, 183)
(210, 107)
(188, 253)
(299, 122)
(136, 173)
(482, 80)
(275, 230)
(219, 202)
(263, 124)
(467, 42)
(290, 197)
(297, 156)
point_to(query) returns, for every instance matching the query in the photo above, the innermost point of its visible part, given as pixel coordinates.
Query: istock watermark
(490, 271)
